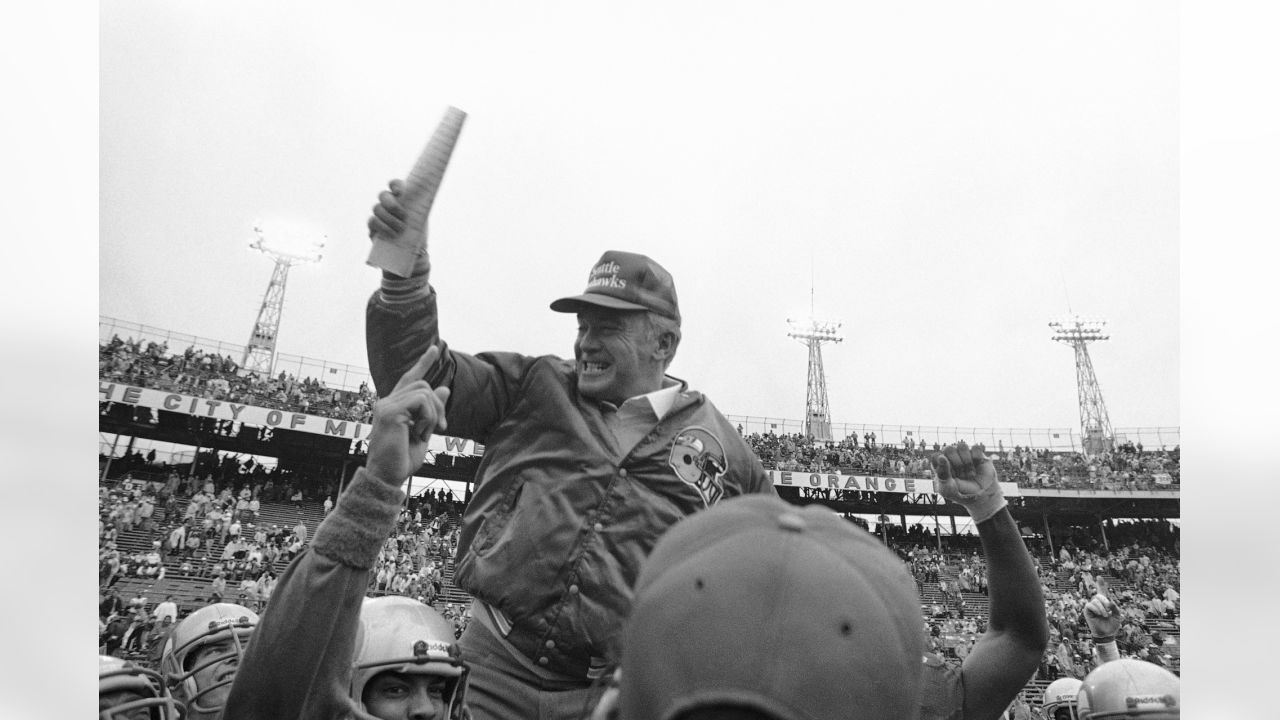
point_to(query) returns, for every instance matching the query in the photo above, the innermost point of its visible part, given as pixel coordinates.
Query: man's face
(392, 695)
(615, 355)
(1064, 712)
(216, 672)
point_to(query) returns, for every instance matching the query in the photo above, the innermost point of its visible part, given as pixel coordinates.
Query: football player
(1130, 689)
(201, 656)
(326, 652)
(129, 692)
(1123, 687)
(1059, 701)
(407, 662)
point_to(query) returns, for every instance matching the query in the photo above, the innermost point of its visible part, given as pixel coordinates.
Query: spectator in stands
(136, 632)
(328, 504)
(300, 530)
(265, 585)
(177, 538)
(192, 545)
(111, 604)
(113, 636)
(293, 547)
(157, 636)
(146, 508)
(167, 608)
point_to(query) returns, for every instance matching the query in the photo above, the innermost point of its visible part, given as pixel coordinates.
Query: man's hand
(389, 217)
(403, 253)
(1103, 617)
(966, 476)
(404, 421)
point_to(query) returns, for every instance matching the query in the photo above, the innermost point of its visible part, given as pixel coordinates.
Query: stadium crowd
(208, 531)
(415, 558)
(1140, 573)
(218, 377)
(1128, 466)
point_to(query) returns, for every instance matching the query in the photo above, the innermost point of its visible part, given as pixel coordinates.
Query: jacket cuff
(360, 523)
(397, 290)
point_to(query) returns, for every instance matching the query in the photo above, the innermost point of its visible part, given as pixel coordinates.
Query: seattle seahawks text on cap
(626, 281)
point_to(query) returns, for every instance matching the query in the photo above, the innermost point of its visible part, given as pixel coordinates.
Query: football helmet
(193, 682)
(1130, 688)
(401, 634)
(1059, 701)
(127, 691)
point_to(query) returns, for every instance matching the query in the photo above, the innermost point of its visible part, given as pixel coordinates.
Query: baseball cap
(793, 612)
(626, 281)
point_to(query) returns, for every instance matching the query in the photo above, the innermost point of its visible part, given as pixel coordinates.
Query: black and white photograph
(664, 361)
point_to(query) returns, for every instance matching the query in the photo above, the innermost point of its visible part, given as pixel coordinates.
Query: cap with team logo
(793, 612)
(626, 281)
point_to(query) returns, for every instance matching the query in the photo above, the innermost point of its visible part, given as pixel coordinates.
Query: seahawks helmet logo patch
(698, 459)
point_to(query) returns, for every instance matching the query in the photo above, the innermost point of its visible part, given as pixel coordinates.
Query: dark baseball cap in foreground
(626, 281)
(794, 612)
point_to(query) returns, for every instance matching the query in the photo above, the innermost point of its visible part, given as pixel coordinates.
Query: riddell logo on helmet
(1134, 702)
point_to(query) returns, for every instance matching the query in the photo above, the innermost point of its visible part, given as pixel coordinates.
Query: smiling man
(586, 463)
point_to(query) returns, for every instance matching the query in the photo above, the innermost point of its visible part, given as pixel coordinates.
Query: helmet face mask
(399, 634)
(127, 691)
(1059, 701)
(203, 652)
(1063, 712)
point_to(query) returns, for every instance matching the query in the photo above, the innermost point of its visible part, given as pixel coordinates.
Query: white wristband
(1107, 651)
(984, 505)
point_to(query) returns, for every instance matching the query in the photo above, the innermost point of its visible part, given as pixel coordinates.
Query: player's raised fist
(962, 471)
(1103, 617)
(967, 476)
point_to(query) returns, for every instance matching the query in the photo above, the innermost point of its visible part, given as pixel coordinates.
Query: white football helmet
(127, 691)
(401, 634)
(1059, 701)
(1130, 688)
(194, 682)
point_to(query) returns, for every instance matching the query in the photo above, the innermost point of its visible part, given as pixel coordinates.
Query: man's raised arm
(1006, 656)
(401, 317)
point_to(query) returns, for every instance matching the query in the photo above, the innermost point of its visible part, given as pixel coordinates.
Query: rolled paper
(397, 255)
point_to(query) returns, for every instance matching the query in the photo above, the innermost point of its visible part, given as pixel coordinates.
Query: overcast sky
(947, 177)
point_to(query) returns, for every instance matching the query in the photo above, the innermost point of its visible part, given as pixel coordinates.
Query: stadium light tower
(260, 352)
(813, 333)
(1094, 422)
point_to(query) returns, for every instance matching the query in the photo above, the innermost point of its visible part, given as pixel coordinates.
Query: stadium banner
(1163, 478)
(865, 483)
(261, 417)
